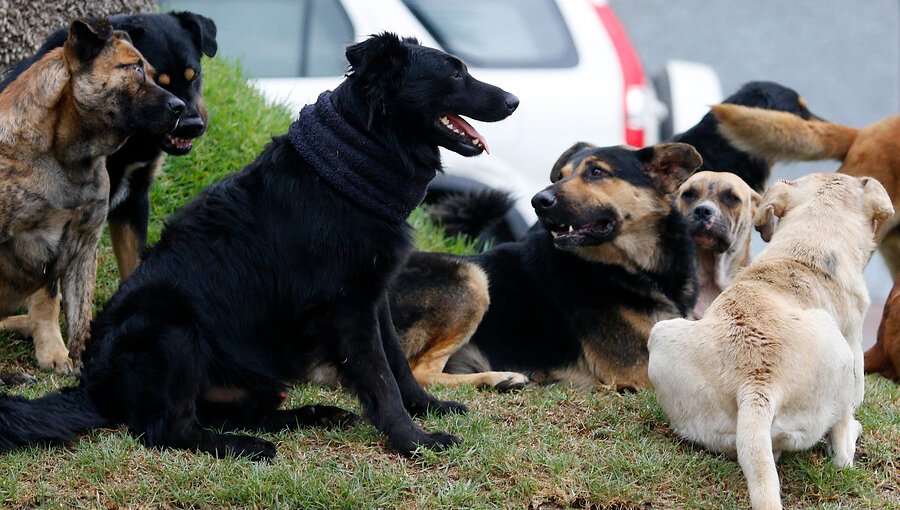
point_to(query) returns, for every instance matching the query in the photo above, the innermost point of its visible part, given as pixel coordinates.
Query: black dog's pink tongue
(467, 128)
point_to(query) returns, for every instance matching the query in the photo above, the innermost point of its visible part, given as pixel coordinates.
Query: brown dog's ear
(669, 164)
(87, 37)
(773, 204)
(877, 203)
(565, 157)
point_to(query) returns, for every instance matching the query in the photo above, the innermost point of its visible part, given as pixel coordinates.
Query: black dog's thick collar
(358, 166)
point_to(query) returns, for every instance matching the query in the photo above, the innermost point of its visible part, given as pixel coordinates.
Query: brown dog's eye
(730, 199)
(689, 195)
(599, 171)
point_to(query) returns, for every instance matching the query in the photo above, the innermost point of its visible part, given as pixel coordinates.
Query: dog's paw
(247, 447)
(16, 379)
(330, 416)
(441, 407)
(510, 381)
(436, 441)
(57, 361)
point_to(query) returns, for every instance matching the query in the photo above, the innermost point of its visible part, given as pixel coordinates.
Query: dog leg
(243, 415)
(842, 439)
(416, 400)
(754, 450)
(500, 381)
(78, 287)
(42, 325)
(364, 367)
(128, 230)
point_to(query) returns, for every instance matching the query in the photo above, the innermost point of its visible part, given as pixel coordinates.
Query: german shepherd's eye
(689, 195)
(599, 172)
(730, 199)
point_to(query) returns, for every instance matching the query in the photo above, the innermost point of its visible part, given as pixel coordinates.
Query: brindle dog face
(718, 207)
(599, 193)
(111, 81)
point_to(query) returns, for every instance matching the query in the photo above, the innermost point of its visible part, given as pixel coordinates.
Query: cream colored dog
(718, 208)
(776, 363)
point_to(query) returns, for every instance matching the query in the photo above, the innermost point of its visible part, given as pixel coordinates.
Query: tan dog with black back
(58, 122)
(776, 363)
(719, 209)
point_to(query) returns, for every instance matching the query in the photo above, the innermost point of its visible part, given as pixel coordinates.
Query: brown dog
(58, 122)
(719, 209)
(873, 151)
(884, 357)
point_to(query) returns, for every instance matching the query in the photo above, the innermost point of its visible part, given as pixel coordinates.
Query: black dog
(278, 267)
(719, 155)
(172, 43)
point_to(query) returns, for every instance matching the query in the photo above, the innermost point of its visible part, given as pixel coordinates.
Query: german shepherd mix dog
(58, 121)
(172, 43)
(278, 267)
(575, 300)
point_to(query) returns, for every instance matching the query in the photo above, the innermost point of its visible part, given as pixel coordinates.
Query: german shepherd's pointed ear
(774, 204)
(378, 64)
(669, 164)
(876, 203)
(565, 157)
(202, 28)
(87, 38)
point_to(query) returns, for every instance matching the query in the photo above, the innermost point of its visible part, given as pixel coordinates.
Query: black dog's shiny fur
(263, 275)
(721, 156)
(172, 43)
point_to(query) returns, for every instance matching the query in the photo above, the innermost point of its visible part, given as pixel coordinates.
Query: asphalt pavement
(843, 56)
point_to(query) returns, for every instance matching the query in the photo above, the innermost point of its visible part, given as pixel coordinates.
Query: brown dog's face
(718, 208)
(599, 194)
(113, 86)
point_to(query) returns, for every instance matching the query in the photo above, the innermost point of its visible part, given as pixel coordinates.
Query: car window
(278, 38)
(499, 33)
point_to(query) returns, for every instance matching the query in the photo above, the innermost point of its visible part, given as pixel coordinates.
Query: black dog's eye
(457, 75)
(730, 199)
(689, 195)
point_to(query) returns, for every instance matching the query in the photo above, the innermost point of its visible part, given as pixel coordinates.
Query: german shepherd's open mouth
(587, 234)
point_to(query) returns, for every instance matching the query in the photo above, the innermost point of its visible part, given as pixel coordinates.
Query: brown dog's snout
(544, 201)
(704, 213)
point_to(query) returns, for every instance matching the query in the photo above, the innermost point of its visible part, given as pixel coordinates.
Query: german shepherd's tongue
(467, 128)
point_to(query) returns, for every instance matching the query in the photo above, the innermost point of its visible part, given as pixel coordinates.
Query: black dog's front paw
(16, 379)
(330, 416)
(436, 441)
(248, 447)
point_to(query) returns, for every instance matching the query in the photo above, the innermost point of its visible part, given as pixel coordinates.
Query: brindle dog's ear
(669, 164)
(774, 204)
(377, 64)
(87, 37)
(877, 203)
(202, 28)
(565, 157)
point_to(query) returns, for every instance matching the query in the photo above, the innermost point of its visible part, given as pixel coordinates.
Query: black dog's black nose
(191, 126)
(703, 212)
(176, 105)
(543, 201)
(512, 102)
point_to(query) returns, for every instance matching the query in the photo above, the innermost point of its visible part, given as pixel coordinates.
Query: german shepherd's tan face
(112, 81)
(603, 193)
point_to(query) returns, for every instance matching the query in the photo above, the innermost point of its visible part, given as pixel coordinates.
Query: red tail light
(633, 95)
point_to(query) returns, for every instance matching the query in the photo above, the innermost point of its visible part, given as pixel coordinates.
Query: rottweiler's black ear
(556, 171)
(377, 64)
(669, 164)
(134, 30)
(87, 37)
(202, 28)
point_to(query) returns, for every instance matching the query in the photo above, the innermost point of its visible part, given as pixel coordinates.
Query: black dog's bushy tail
(473, 213)
(54, 418)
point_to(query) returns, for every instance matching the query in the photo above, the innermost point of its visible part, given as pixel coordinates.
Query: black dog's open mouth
(593, 233)
(461, 132)
(175, 145)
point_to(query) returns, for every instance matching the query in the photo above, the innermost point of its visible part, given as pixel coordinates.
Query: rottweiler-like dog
(575, 300)
(59, 119)
(278, 267)
(172, 43)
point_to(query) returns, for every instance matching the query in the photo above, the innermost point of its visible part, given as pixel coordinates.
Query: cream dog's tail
(781, 136)
(754, 449)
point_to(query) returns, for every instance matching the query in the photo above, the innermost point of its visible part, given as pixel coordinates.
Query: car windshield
(499, 33)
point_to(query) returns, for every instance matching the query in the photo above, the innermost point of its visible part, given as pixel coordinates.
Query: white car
(569, 62)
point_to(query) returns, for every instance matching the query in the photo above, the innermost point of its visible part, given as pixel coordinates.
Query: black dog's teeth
(449, 125)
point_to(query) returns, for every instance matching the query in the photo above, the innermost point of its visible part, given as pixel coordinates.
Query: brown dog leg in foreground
(884, 357)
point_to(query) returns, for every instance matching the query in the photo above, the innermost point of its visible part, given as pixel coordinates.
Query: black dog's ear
(134, 30)
(87, 37)
(202, 28)
(565, 157)
(669, 164)
(377, 64)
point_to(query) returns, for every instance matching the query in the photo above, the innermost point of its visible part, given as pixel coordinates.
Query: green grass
(542, 448)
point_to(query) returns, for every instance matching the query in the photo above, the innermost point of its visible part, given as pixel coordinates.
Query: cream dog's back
(776, 363)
